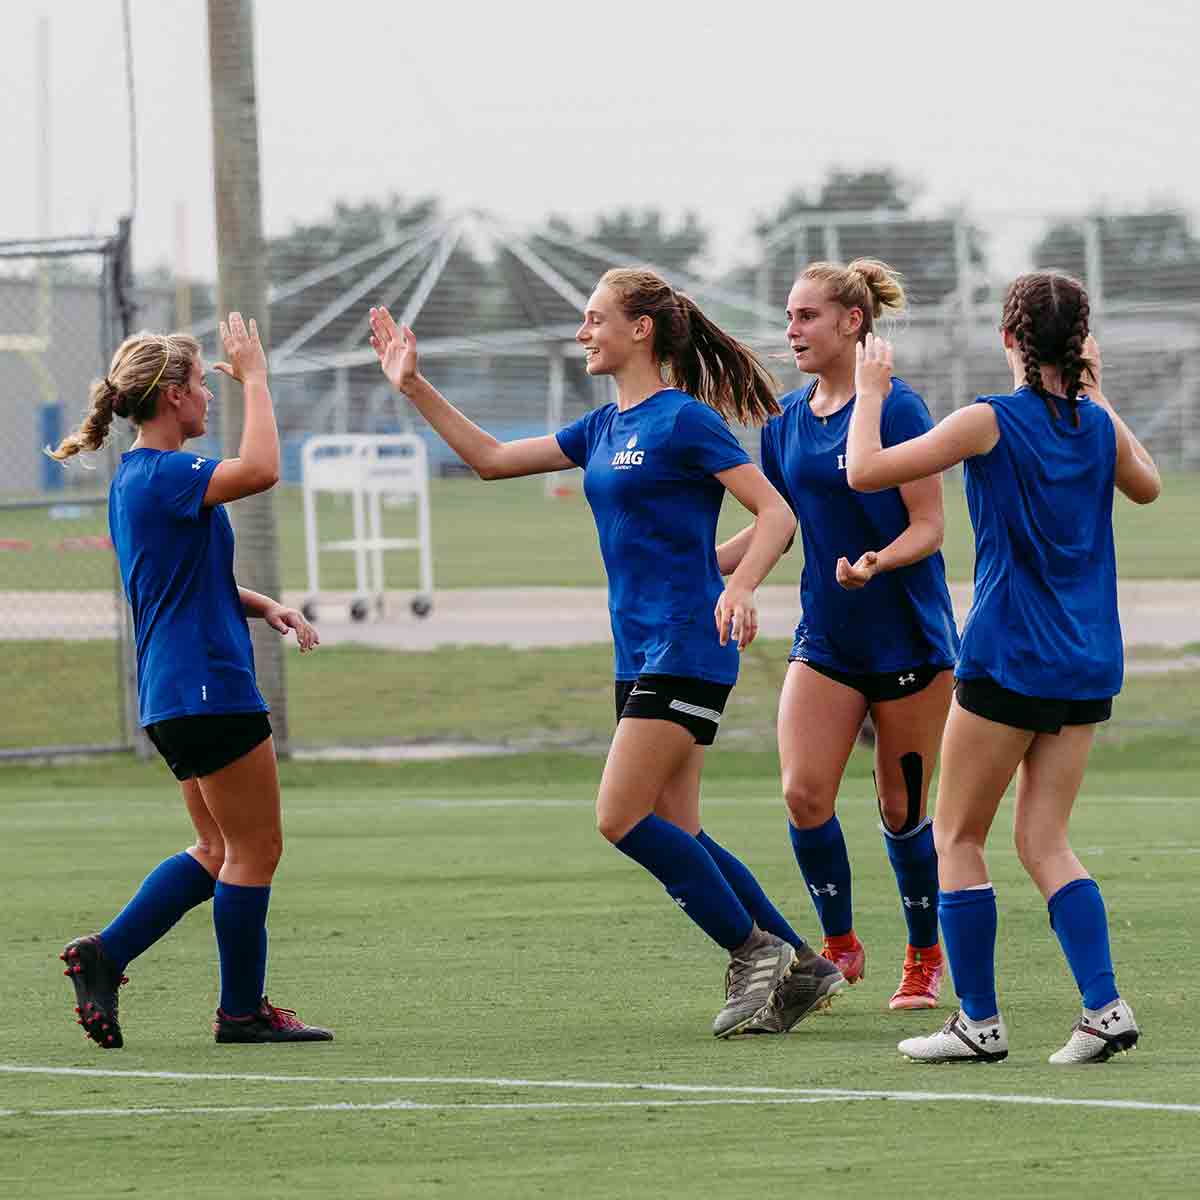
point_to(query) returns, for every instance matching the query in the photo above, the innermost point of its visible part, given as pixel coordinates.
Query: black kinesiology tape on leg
(912, 769)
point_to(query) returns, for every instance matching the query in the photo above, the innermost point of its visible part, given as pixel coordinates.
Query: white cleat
(960, 1040)
(1098, 1035)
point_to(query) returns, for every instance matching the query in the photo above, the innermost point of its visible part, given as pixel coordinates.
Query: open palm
(396, 347)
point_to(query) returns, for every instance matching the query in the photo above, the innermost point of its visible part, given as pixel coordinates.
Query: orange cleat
(920, 979)
(846, 953)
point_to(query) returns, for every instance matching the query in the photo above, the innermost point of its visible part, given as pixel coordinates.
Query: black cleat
(269, 1024)
(96, 981)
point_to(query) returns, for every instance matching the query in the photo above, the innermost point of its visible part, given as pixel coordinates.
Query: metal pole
(555, 395)
(242, 285)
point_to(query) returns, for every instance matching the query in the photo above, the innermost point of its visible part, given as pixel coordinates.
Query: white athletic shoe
(1098, 1035)
(960, 1040)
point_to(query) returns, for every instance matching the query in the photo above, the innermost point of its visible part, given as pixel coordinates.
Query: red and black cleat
(96, 981)
(268, 1024)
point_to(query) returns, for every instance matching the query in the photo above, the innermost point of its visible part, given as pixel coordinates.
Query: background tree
(921, 249)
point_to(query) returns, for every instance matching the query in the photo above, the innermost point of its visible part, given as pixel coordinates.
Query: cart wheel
(421, 606)
(309, 611)
(359, 609)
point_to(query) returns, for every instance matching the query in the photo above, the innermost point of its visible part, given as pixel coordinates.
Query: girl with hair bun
(197, 697)
(1041, 656)
(657, 464)
(876, 633)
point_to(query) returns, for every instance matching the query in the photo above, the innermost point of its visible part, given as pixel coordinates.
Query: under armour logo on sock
(922, 903)
(994, 1034)
(830, 889)
(1112, 1019)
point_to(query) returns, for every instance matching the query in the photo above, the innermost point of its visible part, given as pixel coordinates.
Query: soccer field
(520, 1011)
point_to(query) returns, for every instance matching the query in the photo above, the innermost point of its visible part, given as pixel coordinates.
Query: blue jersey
(902, 618)
(648, 476)
(176, 557)
(1044, 619)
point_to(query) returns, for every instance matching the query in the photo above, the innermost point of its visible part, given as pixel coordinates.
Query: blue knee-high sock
(914, 862)
(240, 920)
(821, 855)
(1080, 923)
(692, 879)
(749, 892)
(969, 928)
(174, 887)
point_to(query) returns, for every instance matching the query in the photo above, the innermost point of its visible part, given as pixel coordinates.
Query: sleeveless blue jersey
(176, 557)
(1044, 619)
(902, 618)
(648, 476)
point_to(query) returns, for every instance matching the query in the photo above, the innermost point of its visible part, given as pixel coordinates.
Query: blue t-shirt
(1044, 619)
(902, 618)
(648, 476)
(176, 556)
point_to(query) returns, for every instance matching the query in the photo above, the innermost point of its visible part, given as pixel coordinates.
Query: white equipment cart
(368, 468)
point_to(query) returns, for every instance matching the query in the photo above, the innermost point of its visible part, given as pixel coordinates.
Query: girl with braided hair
(1041, 654)
(657, 464)
(197, 697)
(876, 633)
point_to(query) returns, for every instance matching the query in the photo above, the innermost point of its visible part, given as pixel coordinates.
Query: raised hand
(1092, 366)
(859, 574)
(873, 366)
(245, 357)
(396, 346)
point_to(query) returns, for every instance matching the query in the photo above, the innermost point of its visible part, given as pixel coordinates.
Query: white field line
(761, 1094)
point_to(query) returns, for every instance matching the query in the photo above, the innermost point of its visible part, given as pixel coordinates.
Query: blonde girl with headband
(876, 632)
(197, 697)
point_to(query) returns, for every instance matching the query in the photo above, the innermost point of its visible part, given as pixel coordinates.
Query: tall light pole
(242, 285)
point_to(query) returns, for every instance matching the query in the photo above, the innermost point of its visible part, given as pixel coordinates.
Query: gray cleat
(755, 967)
(809, 985)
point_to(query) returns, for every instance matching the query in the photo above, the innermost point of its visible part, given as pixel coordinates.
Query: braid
(1073, 362)
(94, 430)
(1026, 335)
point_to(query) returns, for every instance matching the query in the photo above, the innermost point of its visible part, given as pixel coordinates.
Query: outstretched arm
(871, 468)
(256, 468)
(488, 457)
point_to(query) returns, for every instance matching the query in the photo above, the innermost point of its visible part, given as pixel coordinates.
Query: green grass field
(362, 695)
(510, 535)
(506, 989)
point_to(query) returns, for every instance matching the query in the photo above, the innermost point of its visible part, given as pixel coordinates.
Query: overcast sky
(533, 107)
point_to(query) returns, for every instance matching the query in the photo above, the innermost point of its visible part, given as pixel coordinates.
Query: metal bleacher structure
(495, 312)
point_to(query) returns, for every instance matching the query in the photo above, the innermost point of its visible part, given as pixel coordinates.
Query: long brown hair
(866, 284)
(143, 365)
(1047, 314)
(700, 358)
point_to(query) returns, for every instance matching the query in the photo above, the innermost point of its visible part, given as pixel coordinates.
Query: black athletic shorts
(198, 746)
(984, 697)
(696, 704)
(881, 685)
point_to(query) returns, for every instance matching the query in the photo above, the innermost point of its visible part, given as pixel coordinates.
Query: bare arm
(255, 604)
(488, 457)
(256, 468)
(919, 539)
(869, 467)
(772, 532)
(1136, 474)
(731, 552)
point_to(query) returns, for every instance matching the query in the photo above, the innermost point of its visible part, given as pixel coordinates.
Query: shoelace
(917, 979)
(281, 1018)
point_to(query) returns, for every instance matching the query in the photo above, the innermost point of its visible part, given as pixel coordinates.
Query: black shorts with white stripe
(696, 704)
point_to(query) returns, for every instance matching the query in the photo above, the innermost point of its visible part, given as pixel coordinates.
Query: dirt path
(1153, 613)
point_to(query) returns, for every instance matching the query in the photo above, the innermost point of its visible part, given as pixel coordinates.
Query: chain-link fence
(64, 305)
(495, 310)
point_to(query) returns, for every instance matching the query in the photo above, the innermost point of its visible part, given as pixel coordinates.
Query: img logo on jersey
(629, 457)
